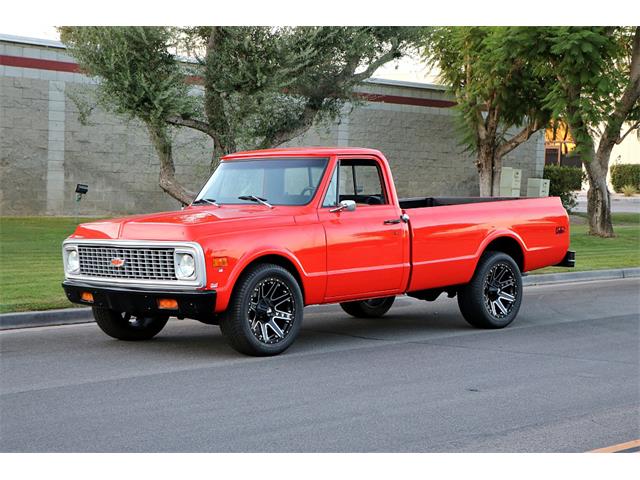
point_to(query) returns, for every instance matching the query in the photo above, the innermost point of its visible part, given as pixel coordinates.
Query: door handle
(393, 221)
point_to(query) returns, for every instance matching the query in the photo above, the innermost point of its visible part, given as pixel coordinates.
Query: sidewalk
(70, 316)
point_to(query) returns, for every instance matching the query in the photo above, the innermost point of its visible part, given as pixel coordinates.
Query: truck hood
(185, 225)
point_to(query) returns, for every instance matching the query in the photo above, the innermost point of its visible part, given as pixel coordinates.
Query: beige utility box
(510, 179)
(538, 187)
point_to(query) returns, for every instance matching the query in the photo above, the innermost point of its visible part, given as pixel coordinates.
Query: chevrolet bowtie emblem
(117, 262)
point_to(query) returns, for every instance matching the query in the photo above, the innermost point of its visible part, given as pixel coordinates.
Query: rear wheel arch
(508, 245)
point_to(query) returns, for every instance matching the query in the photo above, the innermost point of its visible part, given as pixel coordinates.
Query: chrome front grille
(140, 263)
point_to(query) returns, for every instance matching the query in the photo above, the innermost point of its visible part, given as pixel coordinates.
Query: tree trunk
(486, 172)
(214, 106)
(598, 197)
(598, 202)
(596, 165)
(216, 155)
(167, 180)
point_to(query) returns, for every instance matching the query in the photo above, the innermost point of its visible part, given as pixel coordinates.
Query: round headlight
(73, 261)
(186, 266)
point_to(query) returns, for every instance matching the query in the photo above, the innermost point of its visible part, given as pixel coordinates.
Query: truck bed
(446, 242)
(424, 202)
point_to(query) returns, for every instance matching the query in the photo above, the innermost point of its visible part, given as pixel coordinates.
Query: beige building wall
(629, 150)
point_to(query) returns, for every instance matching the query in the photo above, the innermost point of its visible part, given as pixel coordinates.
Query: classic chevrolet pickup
(275, 230)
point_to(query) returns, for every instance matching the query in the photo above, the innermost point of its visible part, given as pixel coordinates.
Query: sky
(35, 31)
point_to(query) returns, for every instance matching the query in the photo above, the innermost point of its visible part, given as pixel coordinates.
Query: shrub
(563, 182)
(625, 174)
(629, 190)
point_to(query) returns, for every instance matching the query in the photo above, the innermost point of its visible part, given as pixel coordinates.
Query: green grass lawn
(595, 253)
(31, 262)
(31, 259)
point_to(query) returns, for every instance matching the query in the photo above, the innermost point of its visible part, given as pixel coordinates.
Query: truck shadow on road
(323, 329)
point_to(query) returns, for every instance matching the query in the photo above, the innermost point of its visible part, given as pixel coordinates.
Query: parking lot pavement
(563, 378)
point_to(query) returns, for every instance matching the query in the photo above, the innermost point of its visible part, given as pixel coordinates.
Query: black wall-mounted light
(81, 189)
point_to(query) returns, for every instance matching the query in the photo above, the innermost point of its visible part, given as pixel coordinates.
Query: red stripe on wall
(421, 102)
(58, 66)
(40, 64)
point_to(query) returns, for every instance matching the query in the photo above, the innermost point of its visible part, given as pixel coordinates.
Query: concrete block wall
(116, 158)
(45, 149)
(24, 142)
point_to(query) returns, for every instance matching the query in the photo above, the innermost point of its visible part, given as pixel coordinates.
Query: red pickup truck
(275, 230)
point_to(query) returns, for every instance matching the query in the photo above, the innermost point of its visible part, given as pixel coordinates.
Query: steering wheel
(373, 200)
(309, 188)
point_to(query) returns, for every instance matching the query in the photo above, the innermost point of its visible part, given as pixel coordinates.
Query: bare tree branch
(518, 139)
(190, 123)
(631, 129)
(284, 135)
(373, 66)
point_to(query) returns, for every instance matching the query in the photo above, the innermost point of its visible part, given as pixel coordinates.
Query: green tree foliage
(596, 92)
(497, 90)
(140, 78)
(261, 86)
(267, 85)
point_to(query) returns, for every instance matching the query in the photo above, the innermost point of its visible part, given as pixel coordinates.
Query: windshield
(290, 181)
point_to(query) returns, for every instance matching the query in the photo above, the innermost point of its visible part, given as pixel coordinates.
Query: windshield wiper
(256, 199)
(210, 201)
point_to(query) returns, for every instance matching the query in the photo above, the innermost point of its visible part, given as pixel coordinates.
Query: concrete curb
(69, 316)
(46, 318)
(572, 277)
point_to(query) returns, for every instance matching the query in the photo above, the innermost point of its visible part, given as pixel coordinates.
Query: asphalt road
(563, 378)
(619, 203)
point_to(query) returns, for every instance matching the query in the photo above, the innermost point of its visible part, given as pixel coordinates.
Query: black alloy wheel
(265, 312)
(493, 297)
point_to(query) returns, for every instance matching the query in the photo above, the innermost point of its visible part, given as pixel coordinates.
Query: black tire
(374, 308)
(124, 326)
(486, 301)
(254, 323)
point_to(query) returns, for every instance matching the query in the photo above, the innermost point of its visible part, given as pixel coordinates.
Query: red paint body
(352, 255)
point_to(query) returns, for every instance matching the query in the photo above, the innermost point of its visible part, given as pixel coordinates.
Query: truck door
(367, 248)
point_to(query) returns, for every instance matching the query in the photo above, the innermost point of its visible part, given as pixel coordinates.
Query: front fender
(300, 247)
(224, 293)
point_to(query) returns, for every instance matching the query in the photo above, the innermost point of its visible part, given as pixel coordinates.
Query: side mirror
(346, 205)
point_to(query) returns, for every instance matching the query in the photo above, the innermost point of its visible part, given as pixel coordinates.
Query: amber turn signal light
(220, 261)
(167, 304)
(87, 297)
